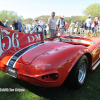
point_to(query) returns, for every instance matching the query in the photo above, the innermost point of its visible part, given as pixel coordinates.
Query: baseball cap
(62, 16)
(89, 16)
(7, 21)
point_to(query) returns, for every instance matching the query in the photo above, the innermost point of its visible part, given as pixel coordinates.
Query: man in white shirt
(88, 24)
(6, 24)
(52, 25)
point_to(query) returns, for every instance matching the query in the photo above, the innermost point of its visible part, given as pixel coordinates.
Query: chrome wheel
(77, 76)
(82, 72)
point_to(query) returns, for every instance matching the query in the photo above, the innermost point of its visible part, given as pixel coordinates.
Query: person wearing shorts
(61, 26)
(88, 24)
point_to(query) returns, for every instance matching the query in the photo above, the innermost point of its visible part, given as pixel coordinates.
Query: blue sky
(35, 8)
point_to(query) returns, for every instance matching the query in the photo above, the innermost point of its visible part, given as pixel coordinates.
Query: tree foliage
(9, 15)
(93, 10)
(28, 21)
(68, 19)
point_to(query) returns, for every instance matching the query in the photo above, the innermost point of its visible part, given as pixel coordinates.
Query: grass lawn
(83, 34)
(90, 90)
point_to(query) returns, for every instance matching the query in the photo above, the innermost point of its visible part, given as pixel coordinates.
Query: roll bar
(38, 25)
(36, 28)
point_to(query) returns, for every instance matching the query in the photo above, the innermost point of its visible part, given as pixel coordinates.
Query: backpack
(59, 23)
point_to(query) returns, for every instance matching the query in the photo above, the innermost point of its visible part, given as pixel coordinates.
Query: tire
(77, 76)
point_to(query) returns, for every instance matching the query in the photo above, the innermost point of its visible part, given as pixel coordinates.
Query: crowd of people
(86, 27)
(15, 26)
(59, 27)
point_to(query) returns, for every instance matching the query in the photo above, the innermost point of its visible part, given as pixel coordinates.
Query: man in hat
(6, 24)
(52, 24)
(61, 26)
(88, 24)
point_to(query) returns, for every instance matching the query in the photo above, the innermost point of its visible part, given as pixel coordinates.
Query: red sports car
(48, 62)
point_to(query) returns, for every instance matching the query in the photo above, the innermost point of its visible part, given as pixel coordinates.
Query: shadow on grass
(87, 92)
(54, 93)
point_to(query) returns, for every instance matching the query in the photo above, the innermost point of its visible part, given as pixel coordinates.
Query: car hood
(34, 52)
(28, 54)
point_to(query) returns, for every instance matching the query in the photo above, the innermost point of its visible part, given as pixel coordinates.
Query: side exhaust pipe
(96, 65)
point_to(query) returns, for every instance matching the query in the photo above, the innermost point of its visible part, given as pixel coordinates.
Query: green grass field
(90, 90)
(82, 34)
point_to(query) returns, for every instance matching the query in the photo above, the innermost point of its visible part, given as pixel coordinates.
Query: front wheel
(77, 76)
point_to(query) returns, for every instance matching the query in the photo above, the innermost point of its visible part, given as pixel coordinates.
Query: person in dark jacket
(81, 27)
(2, 24)
(16, 26)
(19, 26)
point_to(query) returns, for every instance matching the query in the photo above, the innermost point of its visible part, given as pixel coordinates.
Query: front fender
(61, 60)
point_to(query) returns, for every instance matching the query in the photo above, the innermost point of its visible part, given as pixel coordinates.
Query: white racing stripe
(21, 52)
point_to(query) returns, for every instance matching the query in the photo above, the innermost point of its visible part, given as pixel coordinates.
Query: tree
(93, 10)
(28, 21)
(9, 15)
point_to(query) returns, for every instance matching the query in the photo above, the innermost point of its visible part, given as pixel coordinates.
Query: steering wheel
(56, 38)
